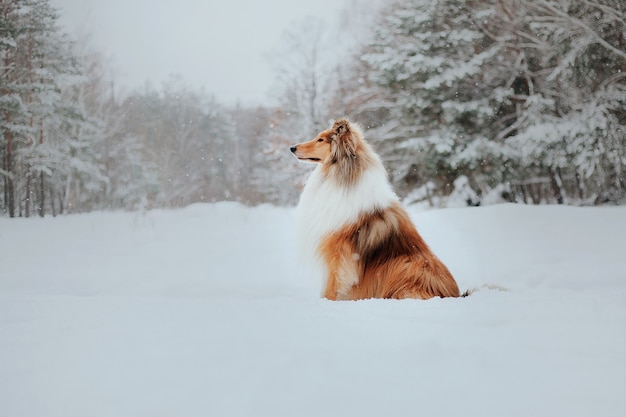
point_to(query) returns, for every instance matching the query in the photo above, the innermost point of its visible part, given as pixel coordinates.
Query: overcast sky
(220, 45)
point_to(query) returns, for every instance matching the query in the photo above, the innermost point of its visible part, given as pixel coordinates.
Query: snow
(203, 311)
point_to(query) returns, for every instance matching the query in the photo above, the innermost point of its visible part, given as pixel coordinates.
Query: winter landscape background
(499, 100)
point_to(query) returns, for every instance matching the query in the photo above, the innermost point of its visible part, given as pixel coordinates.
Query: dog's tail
(487, 286)
(469, 292)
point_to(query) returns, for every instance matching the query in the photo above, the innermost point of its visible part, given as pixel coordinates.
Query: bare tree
(302, 63)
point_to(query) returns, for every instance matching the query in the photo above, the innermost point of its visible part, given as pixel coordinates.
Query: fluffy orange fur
(389, 257)
(381, 254)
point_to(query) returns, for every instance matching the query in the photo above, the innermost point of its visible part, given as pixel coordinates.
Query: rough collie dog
(350, 219)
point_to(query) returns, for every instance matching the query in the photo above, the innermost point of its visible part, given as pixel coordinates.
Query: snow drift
(204, 311)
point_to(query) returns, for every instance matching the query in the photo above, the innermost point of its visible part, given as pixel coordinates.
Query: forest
(479, 101)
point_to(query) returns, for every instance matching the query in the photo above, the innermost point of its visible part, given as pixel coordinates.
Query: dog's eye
(320, 140)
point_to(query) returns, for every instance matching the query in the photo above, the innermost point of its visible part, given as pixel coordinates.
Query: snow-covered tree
(189, 138)
(570, 130)
(14, 114)
(130, 179)
(446, 79)
(62, 156)
(48, 133)
(526, 98)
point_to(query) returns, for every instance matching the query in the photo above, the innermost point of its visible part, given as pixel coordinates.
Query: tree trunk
(557, 185)
(27, 200)
(52, 206)
(580, 186)
(5, 170)
(10, 189)
(42, 195)
(524, 194)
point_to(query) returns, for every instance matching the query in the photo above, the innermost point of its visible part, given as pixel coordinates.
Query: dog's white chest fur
(325, 206)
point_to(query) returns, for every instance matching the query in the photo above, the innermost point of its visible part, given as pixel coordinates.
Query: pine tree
(446, 79)
(48, 132)
(523, 98)
(14, 117)
(63, 157)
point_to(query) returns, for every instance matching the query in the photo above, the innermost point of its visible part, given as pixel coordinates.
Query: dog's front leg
(343, 272)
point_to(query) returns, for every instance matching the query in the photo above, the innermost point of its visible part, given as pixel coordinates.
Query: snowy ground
(204, 312)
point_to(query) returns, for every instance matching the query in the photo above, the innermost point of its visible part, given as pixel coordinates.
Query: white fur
(347, 277)
(325, 207)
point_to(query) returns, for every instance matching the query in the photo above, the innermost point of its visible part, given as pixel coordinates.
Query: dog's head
(330, 146)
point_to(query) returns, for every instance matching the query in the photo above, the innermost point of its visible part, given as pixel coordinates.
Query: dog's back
(391, 259)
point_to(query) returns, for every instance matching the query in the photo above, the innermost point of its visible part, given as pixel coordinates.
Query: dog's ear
(344, 144)
(341, 127)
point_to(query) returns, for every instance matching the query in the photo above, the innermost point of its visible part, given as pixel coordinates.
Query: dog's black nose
(293, 149)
